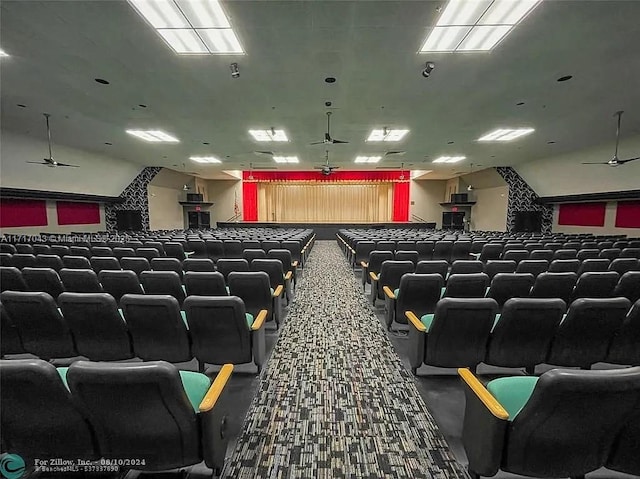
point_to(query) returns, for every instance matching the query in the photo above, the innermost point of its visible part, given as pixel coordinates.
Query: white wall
(490, 211)
(425, 198)
(223, 194)
(565, 175)
(165, 211)
(97, 175)
(609, 227)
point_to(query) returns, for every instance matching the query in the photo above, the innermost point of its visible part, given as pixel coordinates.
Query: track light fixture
(428, 69)
(235, 73)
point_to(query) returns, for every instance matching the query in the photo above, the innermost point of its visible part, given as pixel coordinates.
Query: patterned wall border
(135, 198)
(522, 198)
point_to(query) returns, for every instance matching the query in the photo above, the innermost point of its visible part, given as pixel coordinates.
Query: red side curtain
(76, 213)
(582, 214)
(22, 213)
(628, 214)
(401, 201)
(249, 201)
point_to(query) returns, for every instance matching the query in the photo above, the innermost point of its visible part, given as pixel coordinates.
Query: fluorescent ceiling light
(204, 159)
(449, 159)
(269, 135)
(506, 134)
(387, 135)
(476, 25)
(368, 159)
(191, 26)
(155, 136)
(220, 40)
(184, 40)
(285, 159)
(3, 53)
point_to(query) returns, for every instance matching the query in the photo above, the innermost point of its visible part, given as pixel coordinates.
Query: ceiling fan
(327, 136)
(326, 169)
(615, 161)
(393, 167)
(50, 162)
(252, 167)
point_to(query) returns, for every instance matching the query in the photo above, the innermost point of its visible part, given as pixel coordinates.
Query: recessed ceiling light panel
(449, 159)
(476, 25)
(387, 135)
(286, 159)
(268, 135)
(154, 136)
(205, 159)
(367, 159)
(184, 41)
(506, 134)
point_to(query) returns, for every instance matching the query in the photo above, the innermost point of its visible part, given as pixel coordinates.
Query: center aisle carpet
(335, 400)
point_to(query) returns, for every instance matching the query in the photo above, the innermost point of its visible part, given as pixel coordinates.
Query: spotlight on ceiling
(235, 73)
(185, 187)
(428, 69)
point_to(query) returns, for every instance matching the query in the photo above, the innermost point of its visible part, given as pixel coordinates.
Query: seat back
(227, 265)
(22, 260)
(138, 410)
(584, 335)
(460, 250)
(198, 264)
(10, 342)
(495, 266)
(623, 265)
(565, 254)
(174, 250)
(466, 267)
(273, 267)
(433, 267)
(407, 255)
(596, 285)
(39, 417)
(163, 282)
(564, 266)
(391, 272)
(251, 254)
(491, 251)
(39, 323)
(532, 266)
(232, 249)
(157, 245)
(156, 327)
(630, 253)
(554, 285)
(363, 250)
(43, 279)
(204, 283)
(418, 293)
(406, 245)
(294, 248)
(545, 254)
(593, 264)
(376, 258)
(80, 280)
(629, 286)
(624, 455)
(459, 332)
(167, 264)
(11, 279)
(39, 249)
(442, 250)
(588, 253)
(284, 255)
(76, 262)
(516, 255)
(425, 250)
(148, 253)
(99, 331)
(268, 245)
(624, 346)
(254, 289)
(136, 264)
(219, 329)
(215, 249)
(251, 244)
(7, 248)
(99, 263)
(610, 253)
(568, 425)
(198, 249)
(24, 248)
(120, 252)
(385, 245)
(505, 286)
(522, 336)
(120, 282)
(60, 250)
(471, 285)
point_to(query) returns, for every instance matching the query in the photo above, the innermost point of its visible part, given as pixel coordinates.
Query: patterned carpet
(335, 400)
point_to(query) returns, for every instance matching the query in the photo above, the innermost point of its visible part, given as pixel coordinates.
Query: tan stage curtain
(325, 202)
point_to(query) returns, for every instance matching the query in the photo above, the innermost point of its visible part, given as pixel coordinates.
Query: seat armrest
(364, 264)
(415, 322)
(278, 291)
(259, 321)
(288, 275)
(217, 386)
(389, 293)
(295, 264)
(374, 276)
(484, 426)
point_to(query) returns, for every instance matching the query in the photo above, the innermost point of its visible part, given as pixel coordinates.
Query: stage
(325, 231)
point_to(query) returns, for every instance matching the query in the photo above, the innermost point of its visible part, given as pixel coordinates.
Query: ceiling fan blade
(318, 143)
(619, 115)
(319, 167)
(337, 142)
(37, 162)
(622, 162)
(387, 167)
(267, 153)
(399, 153)
(66, 164)
(595, 162)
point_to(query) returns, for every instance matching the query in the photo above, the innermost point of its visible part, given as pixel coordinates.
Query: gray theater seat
(203, 283)
(80, 280)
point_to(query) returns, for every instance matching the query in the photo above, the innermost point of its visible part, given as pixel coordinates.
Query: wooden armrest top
(388, 292)
(415, 321)
(288, 275)
(257, 323)
(215, 390)
(374, 276)
(485, 396)
(278, 291)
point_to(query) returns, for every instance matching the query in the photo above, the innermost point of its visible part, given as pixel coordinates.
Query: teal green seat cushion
(427, 319)
(183, 315)
(249, 318)
(63, 375)
(196, 386)
(442, 290)
(495, 321)
(396, 292)
(512, 392)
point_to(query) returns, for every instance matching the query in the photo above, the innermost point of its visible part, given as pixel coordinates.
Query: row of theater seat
(464, 332)
(124, 416)
(213, 330)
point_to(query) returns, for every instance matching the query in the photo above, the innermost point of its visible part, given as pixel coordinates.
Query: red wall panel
(582, 214)
(249, 201)
(76, 213)
(15, 212)
(628, 214)
(401, 201)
